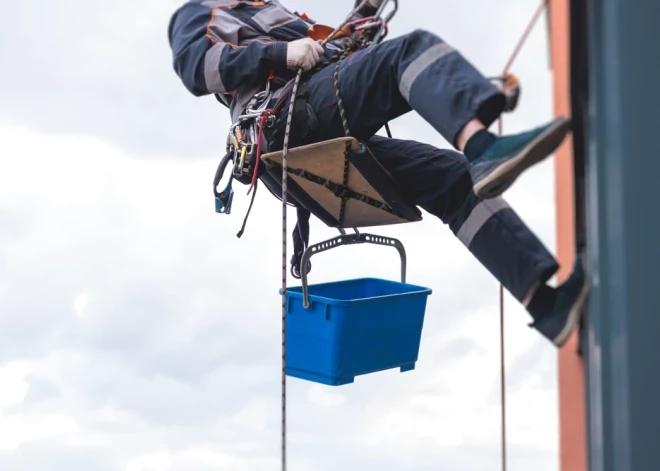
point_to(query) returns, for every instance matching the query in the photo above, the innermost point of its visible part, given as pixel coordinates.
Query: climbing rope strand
(502, 378)
(525, 35)
(284, 260)
(507, 67)
(285, 150)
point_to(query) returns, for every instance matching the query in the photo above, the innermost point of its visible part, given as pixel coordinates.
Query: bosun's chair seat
(315, 179)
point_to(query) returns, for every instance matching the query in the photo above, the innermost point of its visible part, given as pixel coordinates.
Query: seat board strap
(342, 209)
(340, 191)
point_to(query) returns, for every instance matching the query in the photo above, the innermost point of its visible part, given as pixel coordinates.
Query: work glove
(304, 53)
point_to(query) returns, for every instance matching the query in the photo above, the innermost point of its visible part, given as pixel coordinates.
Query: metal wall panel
(623, 176)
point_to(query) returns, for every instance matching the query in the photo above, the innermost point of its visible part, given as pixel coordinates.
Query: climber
(232, 48)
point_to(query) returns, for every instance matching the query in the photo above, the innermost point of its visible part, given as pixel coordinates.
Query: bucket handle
(349, 239)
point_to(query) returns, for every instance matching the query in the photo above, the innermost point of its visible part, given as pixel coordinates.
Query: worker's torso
(243, 22)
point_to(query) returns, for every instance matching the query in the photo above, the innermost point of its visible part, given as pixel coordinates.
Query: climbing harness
(245, 138)
(242, 150)
(244, 141)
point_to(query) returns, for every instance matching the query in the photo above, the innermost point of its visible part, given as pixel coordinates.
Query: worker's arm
(213, 63)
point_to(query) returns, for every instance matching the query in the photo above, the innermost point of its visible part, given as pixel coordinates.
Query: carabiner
(224, 199)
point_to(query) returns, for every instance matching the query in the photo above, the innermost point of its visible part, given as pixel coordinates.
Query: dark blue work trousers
(421, 72)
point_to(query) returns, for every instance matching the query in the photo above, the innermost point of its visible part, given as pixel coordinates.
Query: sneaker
(496, 170)
(569, 305)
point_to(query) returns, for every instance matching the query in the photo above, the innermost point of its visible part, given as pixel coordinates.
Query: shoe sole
(576, 311)
(506, 174)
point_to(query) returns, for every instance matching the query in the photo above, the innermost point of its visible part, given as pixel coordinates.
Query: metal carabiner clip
(224, 199)
(381, 8)
(379, 36)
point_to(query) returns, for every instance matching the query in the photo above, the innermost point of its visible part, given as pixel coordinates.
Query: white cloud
(13, 386)
(14, 430)
(322, 396)
(80, 303)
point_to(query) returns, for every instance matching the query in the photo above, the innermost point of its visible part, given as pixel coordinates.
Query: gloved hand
(304, 53)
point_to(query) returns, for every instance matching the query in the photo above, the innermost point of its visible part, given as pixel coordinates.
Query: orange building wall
(572, 423)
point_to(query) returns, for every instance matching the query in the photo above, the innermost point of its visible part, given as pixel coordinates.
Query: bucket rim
(295, 292)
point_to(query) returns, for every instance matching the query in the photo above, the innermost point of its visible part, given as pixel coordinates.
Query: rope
(502, 378)
(525, 35)
(284, 260)
(507, 67)
(285, 151)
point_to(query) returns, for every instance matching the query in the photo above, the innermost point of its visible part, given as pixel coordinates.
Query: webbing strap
(341, 191)
(300, 241)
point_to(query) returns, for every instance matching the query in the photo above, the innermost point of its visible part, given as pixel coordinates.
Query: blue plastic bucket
(352, 328)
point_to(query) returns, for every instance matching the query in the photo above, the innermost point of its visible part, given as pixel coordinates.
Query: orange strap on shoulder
(320, 32)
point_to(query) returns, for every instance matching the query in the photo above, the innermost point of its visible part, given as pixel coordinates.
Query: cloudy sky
(131, 336)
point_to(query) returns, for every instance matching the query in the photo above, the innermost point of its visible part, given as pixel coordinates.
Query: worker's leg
(439, 182)
(420, 72)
